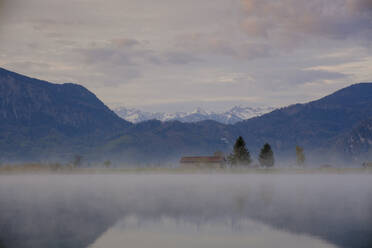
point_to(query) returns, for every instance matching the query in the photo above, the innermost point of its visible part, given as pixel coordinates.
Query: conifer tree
(266, 157)
(107, 163)
(240, 154)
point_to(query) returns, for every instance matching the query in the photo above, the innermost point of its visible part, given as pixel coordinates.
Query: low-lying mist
(75, 210)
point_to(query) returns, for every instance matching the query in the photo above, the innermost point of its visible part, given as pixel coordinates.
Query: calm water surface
(209, 210)
(169, 232)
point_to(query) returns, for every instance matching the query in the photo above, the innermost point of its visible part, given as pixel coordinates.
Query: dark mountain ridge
(311, 124)
(37, 115)
(315, 126)
(41, 120)
(30, 102)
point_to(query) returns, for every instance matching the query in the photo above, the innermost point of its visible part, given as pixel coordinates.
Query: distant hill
(314, 126)
(41, 120)
(231, 116)
(37, 116)
(156, 142)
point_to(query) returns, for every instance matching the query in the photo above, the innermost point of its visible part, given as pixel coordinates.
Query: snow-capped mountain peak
(199, 111)
(245, 113)
(235, 114)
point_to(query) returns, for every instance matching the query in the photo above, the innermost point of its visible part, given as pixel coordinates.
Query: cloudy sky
(175, 55)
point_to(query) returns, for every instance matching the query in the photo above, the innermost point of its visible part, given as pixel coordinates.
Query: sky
(176, 55)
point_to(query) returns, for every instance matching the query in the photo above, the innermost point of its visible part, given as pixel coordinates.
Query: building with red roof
(215, 161)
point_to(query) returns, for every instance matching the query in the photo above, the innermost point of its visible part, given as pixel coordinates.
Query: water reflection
(167, 232)
(74, 210)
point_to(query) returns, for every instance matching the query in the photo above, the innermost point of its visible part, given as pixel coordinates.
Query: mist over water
(88, 210)
(170, 232)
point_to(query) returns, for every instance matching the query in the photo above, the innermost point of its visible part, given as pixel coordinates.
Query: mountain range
(231, 116)
(42, 121)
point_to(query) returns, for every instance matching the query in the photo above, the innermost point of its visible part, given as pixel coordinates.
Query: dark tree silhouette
(266, 157)
(240, 154)
(107, 163)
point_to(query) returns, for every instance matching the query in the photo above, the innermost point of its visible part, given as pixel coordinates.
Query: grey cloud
(123, 60)
(4, 7)
(205, 43)
(307, 76)
(181, 58)
(125, 42)
(336, 19)
(275, 28)
(30, 66)
(106, 55)
(112, 66)
(130, 52)
(360, 5)
(1, 7)
(53, 35)
(152, 45)
(256, 50)
(47, 23)
(118, 52)
(213, 44)
(63, 42)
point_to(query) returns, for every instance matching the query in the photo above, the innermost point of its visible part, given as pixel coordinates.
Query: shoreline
(15, 170)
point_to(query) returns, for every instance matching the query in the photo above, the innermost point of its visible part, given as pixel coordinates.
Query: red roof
(212, 159)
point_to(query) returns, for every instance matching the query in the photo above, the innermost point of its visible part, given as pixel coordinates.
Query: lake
(186, 210)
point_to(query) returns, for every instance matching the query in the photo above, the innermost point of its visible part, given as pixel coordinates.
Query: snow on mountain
(135, 115)
(236, 114)
(245, 113)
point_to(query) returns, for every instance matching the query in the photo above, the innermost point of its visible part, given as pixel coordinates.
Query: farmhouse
(215, 161)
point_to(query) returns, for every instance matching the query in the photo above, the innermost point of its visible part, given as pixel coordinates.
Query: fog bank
(75, 210)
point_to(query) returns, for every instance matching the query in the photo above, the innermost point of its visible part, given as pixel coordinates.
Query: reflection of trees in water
(1, 244)
(182, 233)
(71, 229)
(306, 213)
(266, 193)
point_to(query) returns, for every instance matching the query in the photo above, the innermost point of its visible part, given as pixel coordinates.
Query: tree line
(240, 155)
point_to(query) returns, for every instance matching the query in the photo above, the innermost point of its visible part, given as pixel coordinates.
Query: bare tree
(300, 156)
(77, 160)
